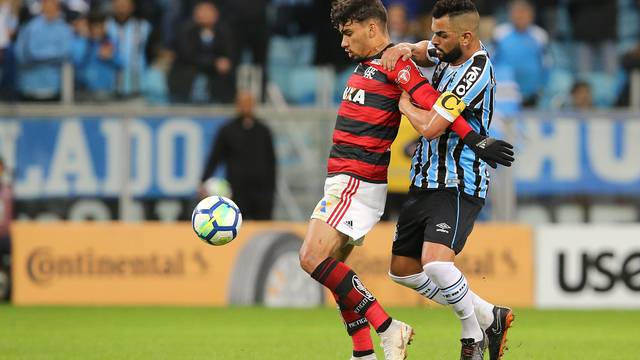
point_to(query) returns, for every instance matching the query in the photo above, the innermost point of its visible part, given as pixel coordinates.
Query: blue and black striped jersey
(445, 162)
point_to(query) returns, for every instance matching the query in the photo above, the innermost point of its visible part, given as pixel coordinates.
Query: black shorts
(442, 216)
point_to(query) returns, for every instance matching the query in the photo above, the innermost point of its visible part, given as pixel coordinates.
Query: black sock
(384, 326)
(362, 353)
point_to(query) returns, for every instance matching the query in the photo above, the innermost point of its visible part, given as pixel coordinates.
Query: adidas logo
(482, 144)
(443, 227)
(349, 224)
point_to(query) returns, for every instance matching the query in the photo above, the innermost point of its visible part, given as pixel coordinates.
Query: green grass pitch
(265, 334)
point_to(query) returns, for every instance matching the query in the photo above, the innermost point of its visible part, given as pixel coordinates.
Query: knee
(433, 268)
(410, 281)
(308, 260)
(428, 258)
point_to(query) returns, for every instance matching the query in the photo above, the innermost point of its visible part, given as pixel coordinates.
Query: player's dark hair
(346, 11)
(453, 8)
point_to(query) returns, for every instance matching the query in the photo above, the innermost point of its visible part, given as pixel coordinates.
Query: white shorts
(351, 206)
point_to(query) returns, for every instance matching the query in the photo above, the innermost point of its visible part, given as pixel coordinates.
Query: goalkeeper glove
(492, 151)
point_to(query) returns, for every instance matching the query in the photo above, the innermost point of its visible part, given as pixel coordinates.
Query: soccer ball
(216, 220)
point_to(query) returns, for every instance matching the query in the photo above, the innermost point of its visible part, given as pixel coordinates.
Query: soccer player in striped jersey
(355, 189)
(449, 181)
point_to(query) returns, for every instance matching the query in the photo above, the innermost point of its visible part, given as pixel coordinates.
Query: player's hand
(392, 54)
(492, 151)
(405, 101)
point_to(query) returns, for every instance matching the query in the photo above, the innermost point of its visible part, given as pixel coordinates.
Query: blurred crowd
(560, 53)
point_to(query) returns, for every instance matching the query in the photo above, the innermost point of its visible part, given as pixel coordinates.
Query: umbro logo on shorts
(443, 227)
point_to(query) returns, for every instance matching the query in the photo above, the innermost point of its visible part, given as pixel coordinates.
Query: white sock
(483, 310)
(454, 288)
(421, 283)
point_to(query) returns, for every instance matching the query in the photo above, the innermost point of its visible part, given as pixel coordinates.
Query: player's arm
(444, 110)
(432, 122)
(429, 122)
(422, 120)
(417, 52)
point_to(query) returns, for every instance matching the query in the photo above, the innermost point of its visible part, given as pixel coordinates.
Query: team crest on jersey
(354, 95)
(370, 73)
(404, 76)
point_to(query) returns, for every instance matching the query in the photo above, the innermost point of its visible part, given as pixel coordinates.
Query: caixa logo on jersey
(598, 271)
(354, 95)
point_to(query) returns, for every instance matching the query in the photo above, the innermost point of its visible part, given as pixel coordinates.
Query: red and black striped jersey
(368, 117)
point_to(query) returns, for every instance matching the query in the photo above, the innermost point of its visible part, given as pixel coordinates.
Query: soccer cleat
(395, 340)
(366, 357)
(497, 332)
(472, 350)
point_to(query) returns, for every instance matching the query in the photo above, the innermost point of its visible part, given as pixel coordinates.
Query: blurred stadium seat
(557, 89)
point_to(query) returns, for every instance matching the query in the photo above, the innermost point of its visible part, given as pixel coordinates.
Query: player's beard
(357, 58)
(452, 55)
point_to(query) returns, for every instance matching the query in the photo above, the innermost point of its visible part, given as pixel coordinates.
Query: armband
(449, 106)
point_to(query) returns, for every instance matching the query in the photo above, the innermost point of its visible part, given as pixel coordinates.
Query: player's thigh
(432, 251)
(450, 221)
(320, 242)
(470, 208)
(408, 239)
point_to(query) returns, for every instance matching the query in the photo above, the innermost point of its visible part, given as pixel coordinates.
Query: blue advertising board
(86, 157)
(565, 154)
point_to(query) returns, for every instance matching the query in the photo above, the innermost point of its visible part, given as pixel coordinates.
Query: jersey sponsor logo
(353, 95)
(472, 75)
(443, 227)
(354, 325)
(370, 73)
(357, 284)
(404, 76)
